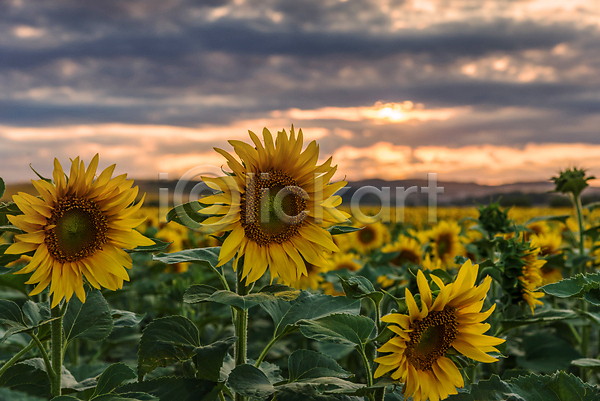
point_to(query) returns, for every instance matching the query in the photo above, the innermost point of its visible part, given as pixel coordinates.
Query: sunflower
(312, 279)
(432, 262)
(370, 237)
(78, 229)
(549, 244)
(272, 206)
(349, 261)
(446, 241)
(532, 276)
(409, 251)
(418, 352)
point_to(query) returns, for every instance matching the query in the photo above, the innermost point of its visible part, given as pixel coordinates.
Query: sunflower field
(270, 289)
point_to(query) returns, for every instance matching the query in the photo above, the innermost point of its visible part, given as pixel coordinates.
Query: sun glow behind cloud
(495, 91)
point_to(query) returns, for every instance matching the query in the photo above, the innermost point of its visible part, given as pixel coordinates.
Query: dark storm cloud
(137, 62)
(444, 41)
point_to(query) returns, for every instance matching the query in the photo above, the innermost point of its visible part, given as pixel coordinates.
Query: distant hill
(455, 193)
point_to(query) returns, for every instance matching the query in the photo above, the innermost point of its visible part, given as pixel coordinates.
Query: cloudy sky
(492, 91)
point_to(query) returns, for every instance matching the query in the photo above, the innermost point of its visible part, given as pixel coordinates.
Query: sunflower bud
(571, 181)
(494, 220)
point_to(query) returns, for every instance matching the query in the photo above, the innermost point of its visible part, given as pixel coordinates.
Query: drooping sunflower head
(532, 278)
(548, 242)
(418, 353)
(78, 228)
(273, 205)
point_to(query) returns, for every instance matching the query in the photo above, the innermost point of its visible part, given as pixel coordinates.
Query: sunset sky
(474, 90)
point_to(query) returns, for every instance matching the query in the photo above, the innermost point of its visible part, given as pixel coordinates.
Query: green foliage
(166, 341)
(91, 320)
(558, 387)
(340, 328)
(174, 388)
(574, 287)
(494, 220)
(207, 257)
(187, 214)
(306, 364)
(203, 293)
(571, 181)
(339, 230)
(306, 307)
(159, 245)
(112, 378)
(210, 358)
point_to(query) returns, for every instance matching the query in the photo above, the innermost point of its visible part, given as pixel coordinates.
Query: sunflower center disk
(273, 208)
(366, 235)
(431, 338)
(80, 229)
(444, 244)
(406, 256)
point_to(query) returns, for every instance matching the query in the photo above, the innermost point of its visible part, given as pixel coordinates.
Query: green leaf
(305, 364)
(10, 208)
(159, 245)
(340, 328)
(11, 314)
(7, 394)
(590, 363)
(574, 286)
(210, 358)
(11, 229)
(593, 296)
(546, 353)
(320, 389)
(28, 376)
(547, 316)
(592, 206)
(175, 388)
(112, 378)
(206, 257)
(558, 387)
(337, 230)
(562, 218)
(36, 312)
(135, 396)
(166, 341)
(91, 320)
(7, 258)
(593, 316)
(2, 187)
(204, 293)
(250, 381)
(187, 215)
(357, 287)
(307, 307)
(123, 318)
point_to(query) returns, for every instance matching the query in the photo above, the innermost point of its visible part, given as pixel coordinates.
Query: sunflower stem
(380, 394)
(45, 357)
(241, 328)
(264, 352)
(585, 332)
(367, 364)
(16, 358)
(57, 350)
